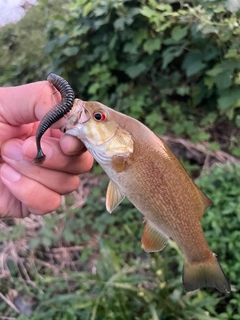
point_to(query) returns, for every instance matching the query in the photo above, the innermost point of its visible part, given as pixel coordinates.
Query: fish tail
(207, 273)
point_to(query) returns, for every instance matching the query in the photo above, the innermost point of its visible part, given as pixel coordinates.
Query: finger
(56, 159)
(28, 103)
(60, 182)
(71, 145)
(36, 197)
(10, 206)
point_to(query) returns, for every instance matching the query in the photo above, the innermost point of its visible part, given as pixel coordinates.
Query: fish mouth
(79, 116)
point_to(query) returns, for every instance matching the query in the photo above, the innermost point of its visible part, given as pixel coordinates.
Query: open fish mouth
(80, 116)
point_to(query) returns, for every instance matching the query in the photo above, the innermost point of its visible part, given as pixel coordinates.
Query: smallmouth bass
(142, 168)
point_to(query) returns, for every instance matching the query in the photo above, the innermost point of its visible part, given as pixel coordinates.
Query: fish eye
(99, 116)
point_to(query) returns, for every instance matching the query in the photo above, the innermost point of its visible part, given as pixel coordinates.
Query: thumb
(27, 103)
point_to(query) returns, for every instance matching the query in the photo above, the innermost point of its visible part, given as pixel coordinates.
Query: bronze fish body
(142, 168)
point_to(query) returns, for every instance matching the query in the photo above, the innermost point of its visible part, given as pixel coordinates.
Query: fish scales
(163, 207)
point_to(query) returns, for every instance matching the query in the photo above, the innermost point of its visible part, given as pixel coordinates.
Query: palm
(9, 204)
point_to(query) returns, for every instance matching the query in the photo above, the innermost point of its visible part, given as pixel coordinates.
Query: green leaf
(223, 80)
(210, 52)
(193, 63)
(236, 151)
(225, 102)
(214, 146)
(93, 88)
(169, 54)
(209, 29)
(147, 12)
(183, 90)
(134, 71)
(203, 136)
(70, 51)
(232, 53)
(87, 8)
(209, 82)
(119, 23)
(230, 98)
(178, 33)
(131, 48)
(216, 70)
(194, 68)
(153, 119)
(208, 119)
(152, 45)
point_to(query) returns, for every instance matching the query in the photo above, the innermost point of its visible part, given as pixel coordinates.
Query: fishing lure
(56, 113)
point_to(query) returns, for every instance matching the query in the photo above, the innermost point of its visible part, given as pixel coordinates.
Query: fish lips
(79, 117)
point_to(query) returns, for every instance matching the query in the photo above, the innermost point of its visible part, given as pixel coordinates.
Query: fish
(142, 168)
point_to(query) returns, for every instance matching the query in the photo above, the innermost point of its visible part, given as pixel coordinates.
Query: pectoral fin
(120, 162)
(113, 196)
(153, 239)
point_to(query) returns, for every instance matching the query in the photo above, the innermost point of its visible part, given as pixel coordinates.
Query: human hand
(25, 187)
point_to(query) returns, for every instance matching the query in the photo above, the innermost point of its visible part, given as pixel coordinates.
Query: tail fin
(208, 273)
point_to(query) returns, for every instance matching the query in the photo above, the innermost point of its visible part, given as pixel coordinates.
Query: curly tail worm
(58, 111)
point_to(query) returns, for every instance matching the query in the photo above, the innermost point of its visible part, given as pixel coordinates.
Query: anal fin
(152, 239)
(113, 196)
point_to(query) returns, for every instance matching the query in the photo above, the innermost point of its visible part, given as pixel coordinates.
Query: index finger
(27, 103)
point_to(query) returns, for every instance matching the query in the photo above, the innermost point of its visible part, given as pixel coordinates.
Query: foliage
(91, 266)
(221, 225)
(173, 65)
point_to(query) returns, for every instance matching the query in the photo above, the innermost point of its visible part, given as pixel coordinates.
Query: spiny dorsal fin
(113, 196)
(152, 239)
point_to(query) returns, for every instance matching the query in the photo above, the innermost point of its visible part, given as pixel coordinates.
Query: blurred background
(175, 66)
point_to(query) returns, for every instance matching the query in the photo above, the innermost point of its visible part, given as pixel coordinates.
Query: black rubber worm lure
(55, 114)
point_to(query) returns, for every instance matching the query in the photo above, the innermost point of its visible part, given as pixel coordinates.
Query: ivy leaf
(147, 12)
(71, 51)
(209, 29)
(119, 23)
(193, 63)
(93, 88)
(178, 33)
(209, 53)
(169, 55)
(131, 48)
(223, 80)
(228, 99)
(134, 71)
(216, 70)
(152, 45)
(203, 136)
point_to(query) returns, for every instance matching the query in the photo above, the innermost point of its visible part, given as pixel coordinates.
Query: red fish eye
(99, 116)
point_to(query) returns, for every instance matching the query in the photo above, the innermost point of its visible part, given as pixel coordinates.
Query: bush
(173, 65)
